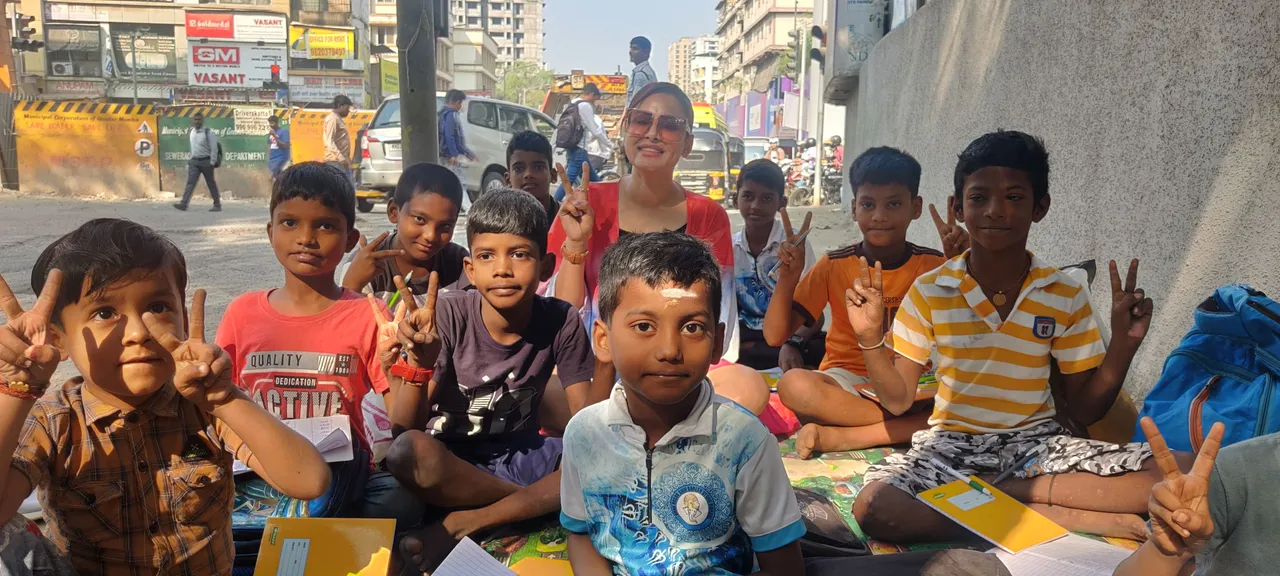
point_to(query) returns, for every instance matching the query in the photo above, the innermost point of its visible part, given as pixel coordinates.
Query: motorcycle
(832, 182)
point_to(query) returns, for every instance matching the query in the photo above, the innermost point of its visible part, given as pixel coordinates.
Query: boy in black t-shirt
(467, 431)
(425, 211)
(530, 167)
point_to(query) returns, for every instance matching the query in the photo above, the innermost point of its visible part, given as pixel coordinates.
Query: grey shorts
(991, 454)
(846, 379)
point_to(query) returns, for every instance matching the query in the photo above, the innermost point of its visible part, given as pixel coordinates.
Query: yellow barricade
(86, 149)
(306, 134)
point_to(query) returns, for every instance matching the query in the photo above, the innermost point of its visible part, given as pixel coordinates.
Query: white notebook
(1071, 555)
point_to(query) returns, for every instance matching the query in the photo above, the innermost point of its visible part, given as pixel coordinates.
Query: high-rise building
(383, 32)
(682, 58)
(756, 33)
(516, 26)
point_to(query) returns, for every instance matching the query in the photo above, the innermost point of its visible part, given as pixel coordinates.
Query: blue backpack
(1226, 369)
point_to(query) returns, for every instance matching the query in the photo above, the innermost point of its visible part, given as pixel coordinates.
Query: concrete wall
(1162, 121)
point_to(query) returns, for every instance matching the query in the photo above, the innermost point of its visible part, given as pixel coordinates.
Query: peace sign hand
(576, 215)
(865, 305)
(202, 371)
(791, 251)
(1179, 505)
(1130, 307)
(388, 331)
(25, 352)
(955, 240)
(364, 265)
(417, 331)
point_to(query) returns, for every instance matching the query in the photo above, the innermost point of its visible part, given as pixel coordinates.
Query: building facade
(679, 58)
(157, 52)
(683, 60)
(383, 34)
(755, 33)
(475, 61)
(515, 25)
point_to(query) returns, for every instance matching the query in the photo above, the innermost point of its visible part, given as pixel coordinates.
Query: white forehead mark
(678, 293)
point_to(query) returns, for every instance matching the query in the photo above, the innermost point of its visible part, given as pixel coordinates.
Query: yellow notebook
(341, 546)
(542, 567)
(999, 518)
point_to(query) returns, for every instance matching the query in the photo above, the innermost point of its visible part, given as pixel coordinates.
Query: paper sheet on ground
(331, 435)
(469, 559)
(1071, 555)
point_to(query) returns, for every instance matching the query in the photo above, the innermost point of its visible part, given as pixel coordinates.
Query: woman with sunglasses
(657, 133)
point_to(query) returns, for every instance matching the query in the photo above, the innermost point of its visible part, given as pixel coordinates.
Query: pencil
(396, 297)
(952, 471)
(1030, 456)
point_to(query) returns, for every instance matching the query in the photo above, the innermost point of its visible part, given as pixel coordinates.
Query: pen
(952, 471)
(1021, 463)
(775, 272)
(396, 297)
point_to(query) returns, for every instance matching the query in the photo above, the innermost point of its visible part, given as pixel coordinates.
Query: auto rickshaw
(706, 170)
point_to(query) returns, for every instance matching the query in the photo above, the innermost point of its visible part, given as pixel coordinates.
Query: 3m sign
(216, 55)
(235, 65)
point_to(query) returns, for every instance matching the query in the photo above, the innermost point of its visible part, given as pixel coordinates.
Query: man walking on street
(453, 143)
(204, 158)
(278, 147)
(592, 132)
(337, 141)
(643, 73)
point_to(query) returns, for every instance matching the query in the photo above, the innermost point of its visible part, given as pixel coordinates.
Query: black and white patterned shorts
(991, 454)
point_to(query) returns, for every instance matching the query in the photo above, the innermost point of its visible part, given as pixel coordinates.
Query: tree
(524, 83)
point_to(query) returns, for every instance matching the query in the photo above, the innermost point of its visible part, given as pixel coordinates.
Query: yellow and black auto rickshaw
(706, 170)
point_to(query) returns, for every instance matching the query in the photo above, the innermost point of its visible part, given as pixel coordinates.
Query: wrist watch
(575, 258)
(411, 375)
(797, 341)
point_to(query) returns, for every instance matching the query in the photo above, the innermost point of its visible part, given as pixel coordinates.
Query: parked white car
(488, 125)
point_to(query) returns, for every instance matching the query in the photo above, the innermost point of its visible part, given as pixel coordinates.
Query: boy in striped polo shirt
(997, 316)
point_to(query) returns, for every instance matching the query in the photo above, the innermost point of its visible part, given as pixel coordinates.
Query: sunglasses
(671, 129)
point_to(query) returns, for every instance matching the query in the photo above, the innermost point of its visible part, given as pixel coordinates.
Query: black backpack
(569, 129)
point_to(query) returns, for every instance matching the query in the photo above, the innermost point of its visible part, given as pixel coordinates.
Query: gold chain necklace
(998, 298)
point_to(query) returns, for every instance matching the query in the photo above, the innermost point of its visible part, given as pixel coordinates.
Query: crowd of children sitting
(498, 409)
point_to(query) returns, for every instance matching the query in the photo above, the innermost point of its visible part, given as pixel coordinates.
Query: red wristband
(411, 375)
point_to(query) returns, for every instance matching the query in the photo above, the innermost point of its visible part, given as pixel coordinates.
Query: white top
(752, 280)
(710, 494)
(592, 130)
(204, 143)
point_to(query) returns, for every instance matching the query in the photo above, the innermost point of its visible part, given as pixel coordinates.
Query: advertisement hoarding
(315, 43)
(322, 89)
(239, 27)
(234, 65)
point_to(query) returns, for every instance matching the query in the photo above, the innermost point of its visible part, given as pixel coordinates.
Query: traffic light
(23, 32)
(789, 65)
(819, 52)
(440, 16)
(275, 83)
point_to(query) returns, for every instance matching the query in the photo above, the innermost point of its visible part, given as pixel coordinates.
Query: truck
(609, 109)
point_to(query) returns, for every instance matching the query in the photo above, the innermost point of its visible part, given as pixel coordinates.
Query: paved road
(227, 253)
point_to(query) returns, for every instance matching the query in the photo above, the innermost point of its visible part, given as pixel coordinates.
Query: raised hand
(388, 330)
(576, 215)
(202, 371)
(791, 251)
(25, 353)
(1130, 308)
(364, 265)
(865, 304)
(417, 330)
(1179, 505)
(955, 240)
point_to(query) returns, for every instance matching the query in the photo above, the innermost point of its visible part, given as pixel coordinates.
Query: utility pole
(416, 43)
(803, 56)
(133, 64)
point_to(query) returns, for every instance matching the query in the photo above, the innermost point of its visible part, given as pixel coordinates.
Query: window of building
(473, 5)
(495, 21)
(473, 21)
(74, 52)
(341, 6)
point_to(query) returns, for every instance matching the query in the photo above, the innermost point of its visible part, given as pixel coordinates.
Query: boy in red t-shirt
(310, 348)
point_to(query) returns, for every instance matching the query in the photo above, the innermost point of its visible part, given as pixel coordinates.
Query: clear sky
(593, 35)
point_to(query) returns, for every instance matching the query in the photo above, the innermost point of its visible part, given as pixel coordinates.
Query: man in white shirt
(593, 137)
(643, 73)
(204, 158)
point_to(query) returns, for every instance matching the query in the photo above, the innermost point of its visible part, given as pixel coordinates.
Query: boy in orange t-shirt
(886, 200)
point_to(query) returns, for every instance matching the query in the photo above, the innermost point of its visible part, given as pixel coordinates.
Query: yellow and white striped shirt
(993, 375)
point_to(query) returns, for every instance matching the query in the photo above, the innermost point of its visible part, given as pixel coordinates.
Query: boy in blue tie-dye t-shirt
(666, 477)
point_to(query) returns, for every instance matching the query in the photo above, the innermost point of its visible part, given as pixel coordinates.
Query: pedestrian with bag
(206, 155)
(578, 129)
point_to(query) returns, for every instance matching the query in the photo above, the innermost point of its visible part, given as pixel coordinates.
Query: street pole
(133, 65)
(801, 41)
(416, 44)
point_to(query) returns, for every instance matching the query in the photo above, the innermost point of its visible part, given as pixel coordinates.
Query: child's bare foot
(807, 440)
(425, 548)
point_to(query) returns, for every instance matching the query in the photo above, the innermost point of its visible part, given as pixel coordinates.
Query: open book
(1072, 555)
(331, 435)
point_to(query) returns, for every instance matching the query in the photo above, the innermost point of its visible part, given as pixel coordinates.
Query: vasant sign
(238, 27)
(235, 65)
